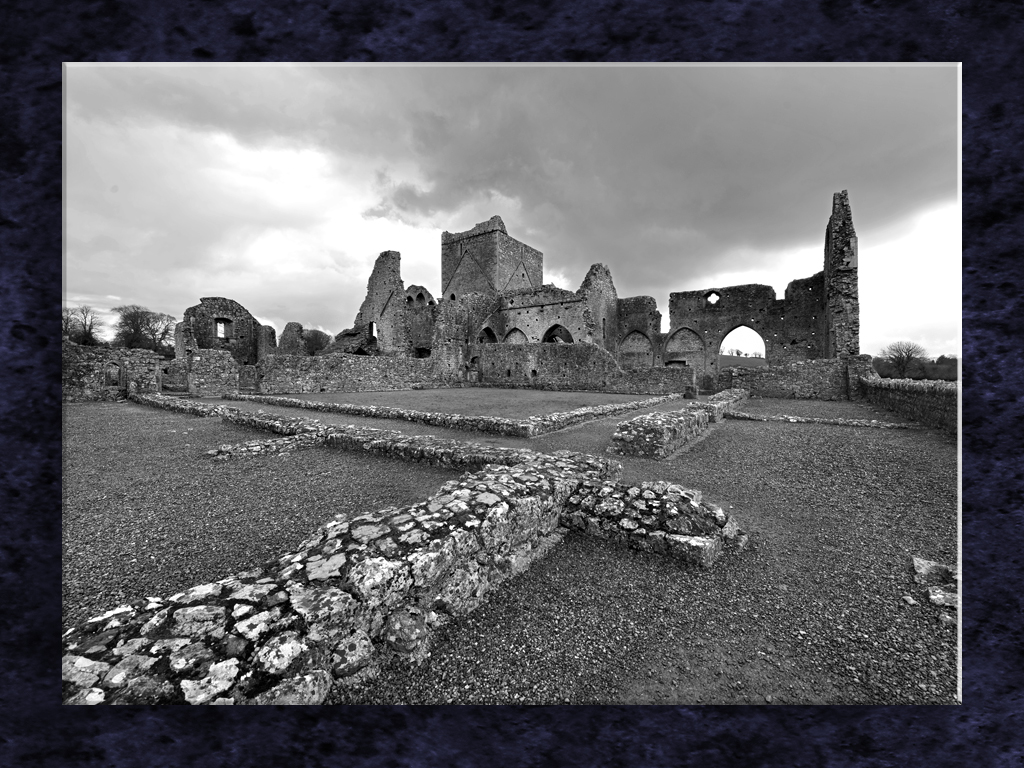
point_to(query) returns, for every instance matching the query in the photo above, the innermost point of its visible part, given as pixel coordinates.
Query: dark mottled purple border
(36, 36)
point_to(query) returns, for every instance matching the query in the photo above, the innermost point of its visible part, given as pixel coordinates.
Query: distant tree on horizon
(81, 324)
(903, 356)
(315, 340)
(140, 328)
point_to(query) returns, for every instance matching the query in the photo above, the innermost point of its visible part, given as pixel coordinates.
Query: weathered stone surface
(352, 653)
(200, 620)
(81, 671)
(406, 629)
(305, 690)
(933, 403)
(278, 653)
(929, 572)
(128, 668)
(220, 678)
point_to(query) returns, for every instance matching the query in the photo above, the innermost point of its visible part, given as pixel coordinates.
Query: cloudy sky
(277, 185)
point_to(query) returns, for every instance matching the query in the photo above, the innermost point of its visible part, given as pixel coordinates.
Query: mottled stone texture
(806, 379)
(929, 402)
(212, 372)
(291, 342)
(534, 313)
(223, 325)
(342, 373)
(485, 259)
(97, 373)
(842, 316)
(583, 367)
(383, 310)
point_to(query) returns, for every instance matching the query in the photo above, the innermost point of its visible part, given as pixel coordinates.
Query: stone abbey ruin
(495, 323)
(364, 589)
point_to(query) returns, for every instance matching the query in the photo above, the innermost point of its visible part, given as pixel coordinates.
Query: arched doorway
(636, 351)
(486, 337)
(685, 348)
(113, 375)
(742, 346)
(557, 334)
(515, 336)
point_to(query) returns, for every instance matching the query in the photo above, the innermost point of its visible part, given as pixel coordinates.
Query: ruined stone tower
(486, 260)
(842, 305)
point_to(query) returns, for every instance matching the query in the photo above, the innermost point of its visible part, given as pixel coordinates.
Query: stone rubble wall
(212, 372)
(531, 427)
(363, 589)
(824, 379)
(933, 403)
(654, 517)
(660, 434)
(175, 375)
(572, 367)
(343, 373)
(873, 423)
(83, 372)
(178, 405)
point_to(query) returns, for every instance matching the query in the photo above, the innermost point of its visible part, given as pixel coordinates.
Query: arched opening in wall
(685, 348)
(422, 352)
(515, 336)
(557, 334)
(743, 347)
(452, 297)
(223, 328)
(420, 300)
(636, 351)
(486, 337)
(408, 299)
(112, 375)
(430, 303)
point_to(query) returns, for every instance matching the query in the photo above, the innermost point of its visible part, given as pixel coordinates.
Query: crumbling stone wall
(842, 316)
(639, 324)
(660, 434)
(384, 306)
(534, 313)
(174, 375)
(827, 379)
(220, 324)
(598, 291)
(421, 309)
(581, 367)
(343, 373)
(361, 590)
(934, 403)
(212, 372)
(292, 342)
(98, 373)
(486, 260)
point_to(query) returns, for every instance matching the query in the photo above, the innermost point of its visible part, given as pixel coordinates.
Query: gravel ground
(811, 612)
(146, 513)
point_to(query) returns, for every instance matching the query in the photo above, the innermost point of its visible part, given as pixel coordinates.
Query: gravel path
(146, 513)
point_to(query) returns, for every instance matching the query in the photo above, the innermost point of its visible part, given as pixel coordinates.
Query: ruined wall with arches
(98, 373)
(224, 325)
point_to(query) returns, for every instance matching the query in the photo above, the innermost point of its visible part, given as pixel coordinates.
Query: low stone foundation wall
(933, 403)
(827, 379)
(872, 423)
(531, 427)
(363, 589)
(659, 435)
(653, 517)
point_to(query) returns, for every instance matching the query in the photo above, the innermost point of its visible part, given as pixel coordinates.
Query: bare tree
(81, 324)
(903, 355)
(141, 328)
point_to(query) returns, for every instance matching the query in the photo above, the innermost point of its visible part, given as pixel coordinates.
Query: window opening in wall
(420, 299)
(408, 299)
(557, 334)
(430, 303)
(487, 336)
(713, 298)
(453, 297)
(603, 321)
(508, 373)
(372, 328)
(533, 373)
(223, 328)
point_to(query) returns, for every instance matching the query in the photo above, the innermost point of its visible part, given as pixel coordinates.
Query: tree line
(909, 360)
(136, 327)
